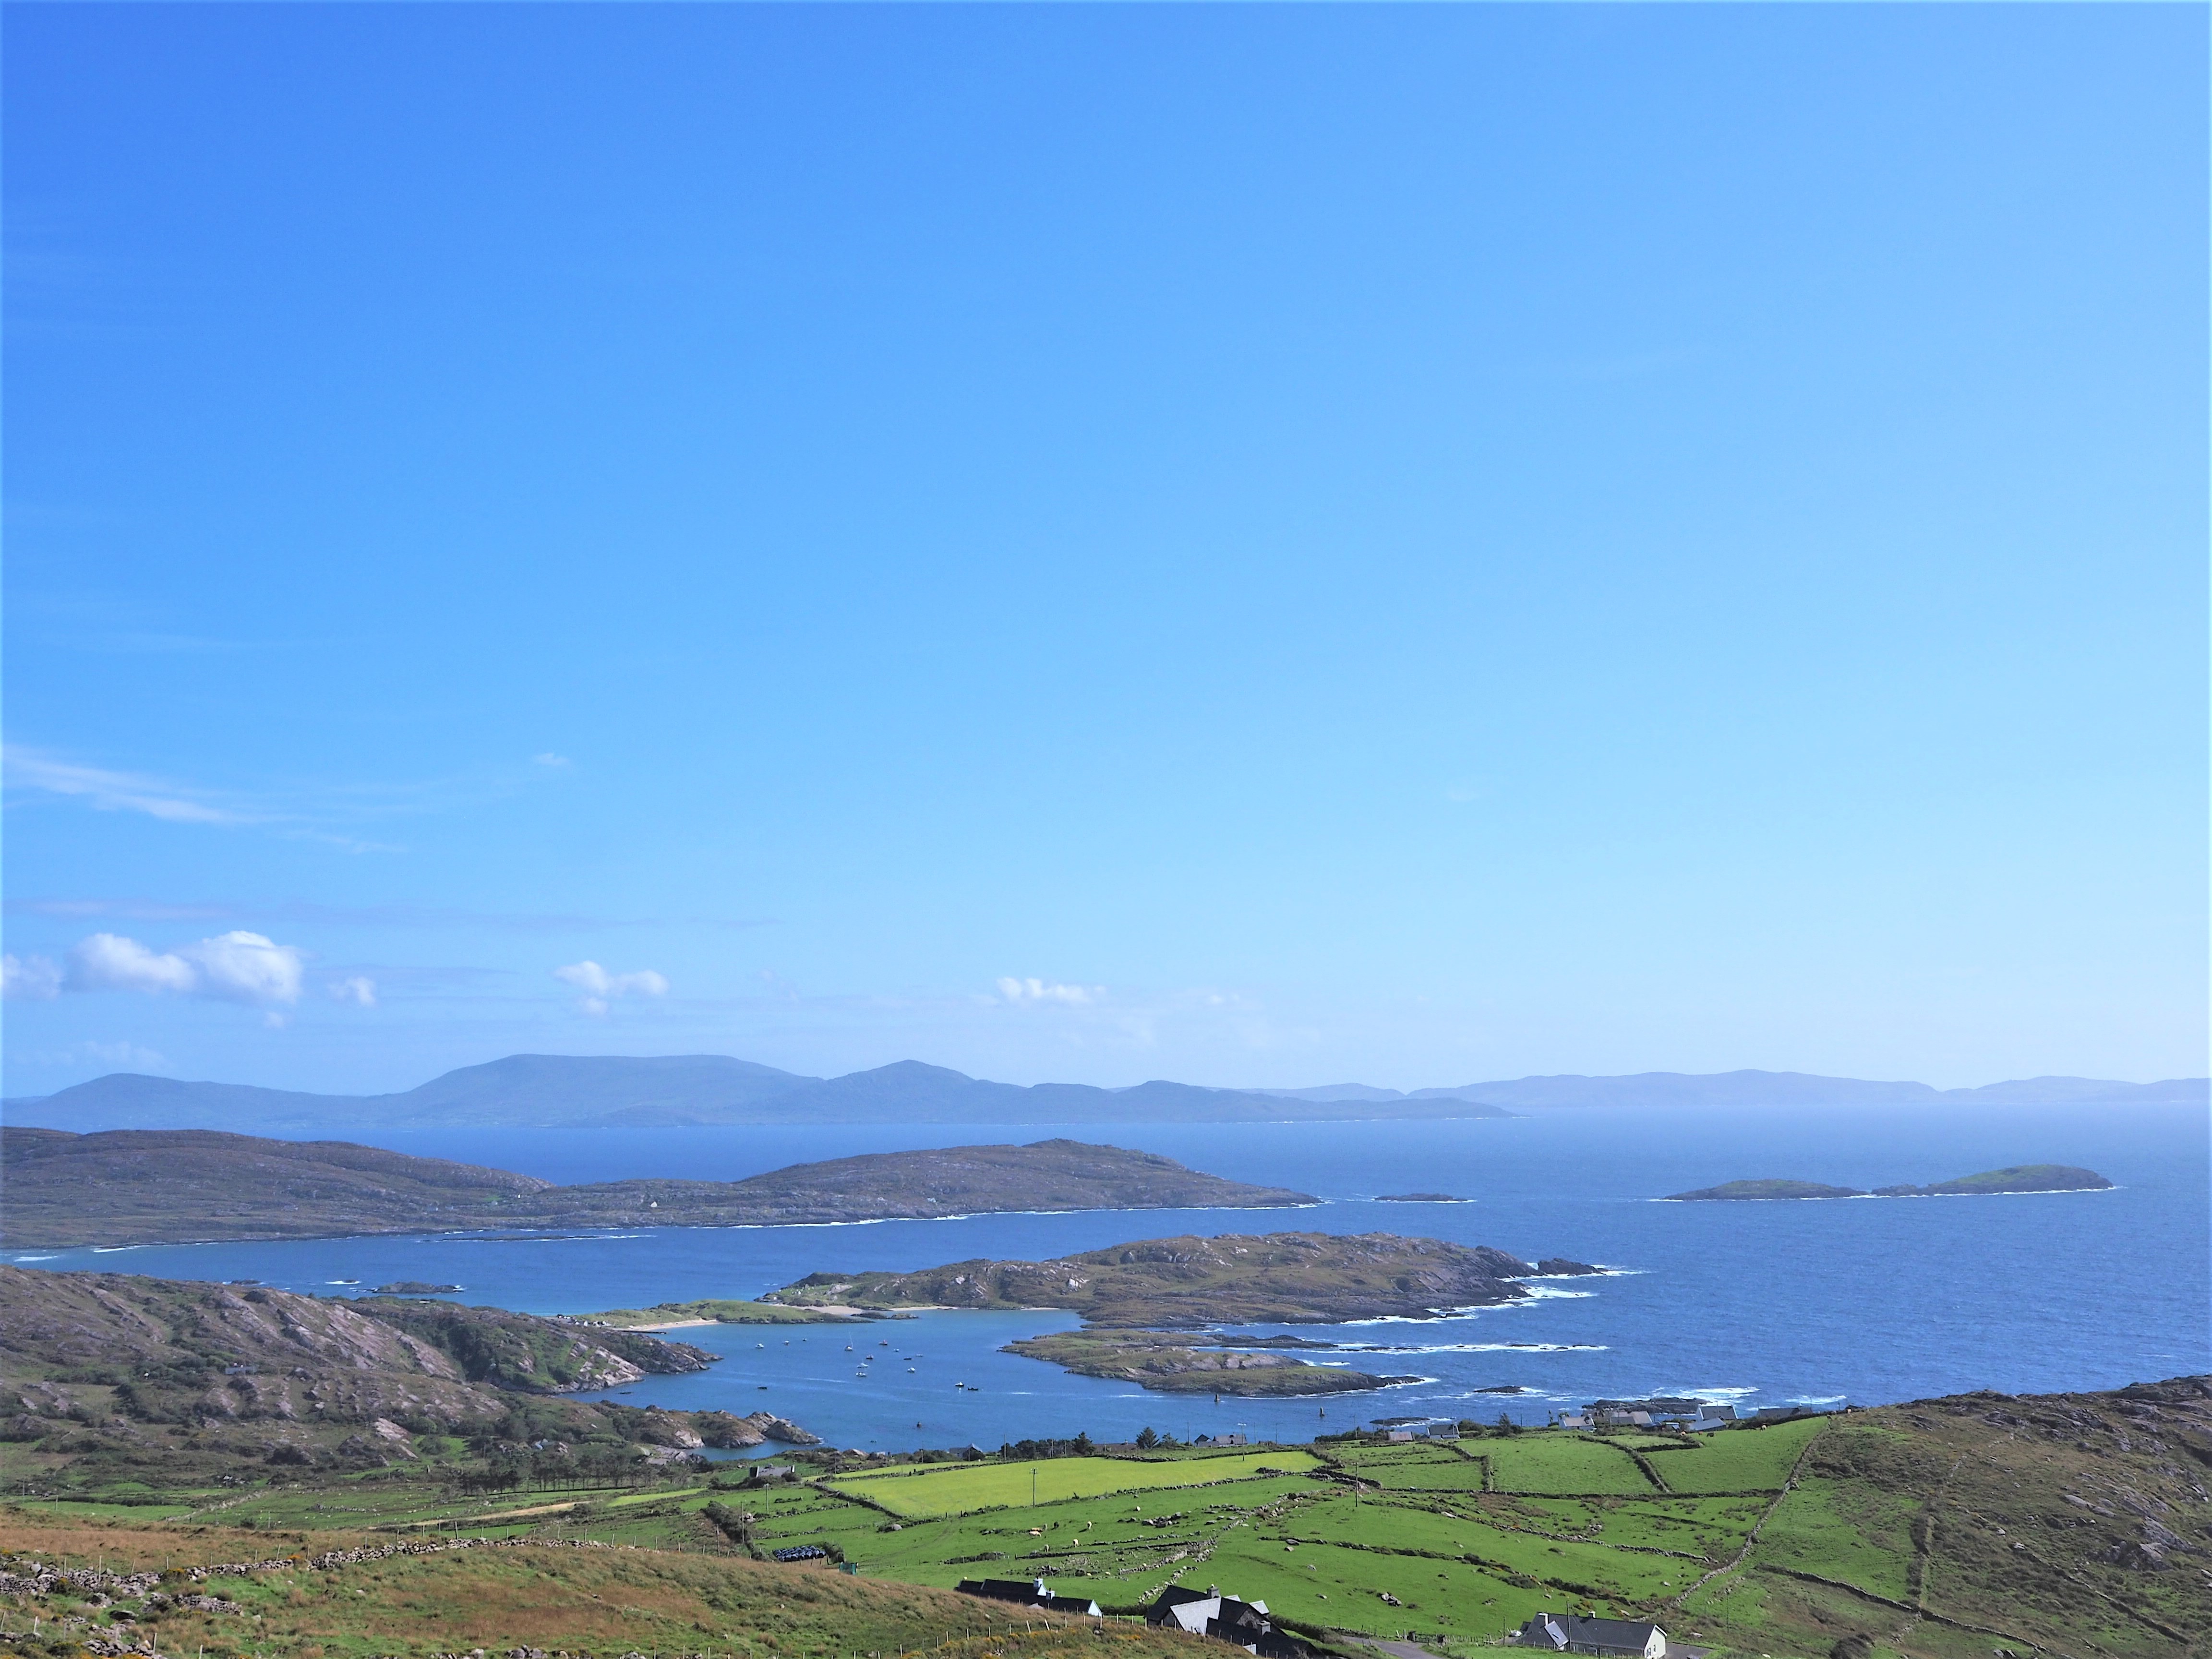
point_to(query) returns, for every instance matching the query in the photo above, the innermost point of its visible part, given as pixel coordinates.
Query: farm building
(1609, 1638)
(1245, 1624)
(1026, 1592)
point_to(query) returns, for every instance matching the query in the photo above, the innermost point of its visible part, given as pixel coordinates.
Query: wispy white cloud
(29, 979)
(356, 988)
(350, 916)
(110, 791)
(125, 1056)
(324, 811)
(1036, 993)
(600, 987)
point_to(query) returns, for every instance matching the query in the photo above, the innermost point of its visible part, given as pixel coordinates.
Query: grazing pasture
(962, 1488)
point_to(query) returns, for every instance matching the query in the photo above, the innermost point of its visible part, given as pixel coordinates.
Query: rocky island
(185, 1186)
(1151, 1296)
(1734, 1190)
(1287, 1278)
(2019, 1178)
(1194, 1362)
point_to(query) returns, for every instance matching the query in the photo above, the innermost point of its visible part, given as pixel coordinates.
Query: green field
(1465, 1539)
(965, 1488)
(1739, 1460)
(1562, 1463)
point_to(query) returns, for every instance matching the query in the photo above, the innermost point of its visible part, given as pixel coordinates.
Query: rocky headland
(174, 1375)
(183, 1186)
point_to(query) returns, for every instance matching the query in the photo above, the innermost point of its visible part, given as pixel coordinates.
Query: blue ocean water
(1865, 1300)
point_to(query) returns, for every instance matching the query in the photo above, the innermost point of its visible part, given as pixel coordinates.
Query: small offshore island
(2020, 1178)
(196, 1186)
(1421, 1198)
(1143, 1304)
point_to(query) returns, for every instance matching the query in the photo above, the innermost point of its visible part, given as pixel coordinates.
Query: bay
(1866, 1300)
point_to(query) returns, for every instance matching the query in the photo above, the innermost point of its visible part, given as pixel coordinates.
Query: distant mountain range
(1768, 1089)
(618, 1091)
(612, 1092)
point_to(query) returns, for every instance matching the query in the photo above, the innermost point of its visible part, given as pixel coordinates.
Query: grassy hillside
(2067, 1525)
(151, 1187)
(309, 1593)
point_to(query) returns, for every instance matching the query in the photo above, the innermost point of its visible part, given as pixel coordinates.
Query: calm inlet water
(1866, 1300)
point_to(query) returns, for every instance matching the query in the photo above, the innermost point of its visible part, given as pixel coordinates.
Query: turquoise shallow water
(1869, 1300)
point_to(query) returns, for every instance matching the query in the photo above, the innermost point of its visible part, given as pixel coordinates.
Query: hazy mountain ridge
(624, 1091)
(616, 1091)
(1750, 1088)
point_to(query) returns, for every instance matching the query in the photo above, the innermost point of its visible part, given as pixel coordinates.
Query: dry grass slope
(605, 1600)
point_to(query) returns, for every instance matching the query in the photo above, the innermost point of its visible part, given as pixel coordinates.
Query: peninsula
(185, 1186)
(175, 1380)
(2019, 1178)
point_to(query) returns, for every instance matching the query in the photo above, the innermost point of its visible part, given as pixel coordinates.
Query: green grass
(1738, 1459)
(963, 1488)
(1564, 1463)
(1413, 1466)
(1851, 1535)
(71, 1509)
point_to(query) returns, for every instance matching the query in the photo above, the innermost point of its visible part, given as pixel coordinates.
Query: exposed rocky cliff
(88, 1347)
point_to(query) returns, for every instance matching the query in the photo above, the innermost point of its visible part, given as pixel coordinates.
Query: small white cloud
(1034, 993)
(242, 967)
(232, 966)
(110, 962)
(549, 758)
(29, 978)
(358, 989)
(600, 987)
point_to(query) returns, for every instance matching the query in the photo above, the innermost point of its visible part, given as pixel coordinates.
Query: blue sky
(1247, 544)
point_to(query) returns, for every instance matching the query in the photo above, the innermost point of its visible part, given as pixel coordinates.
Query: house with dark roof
(1028, 1593)
(1609, 1638)
(1245, 1624)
